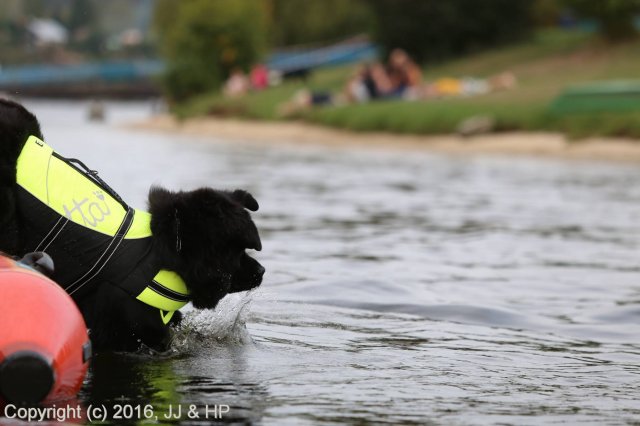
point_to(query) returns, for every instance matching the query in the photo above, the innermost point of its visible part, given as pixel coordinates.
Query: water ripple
(401, 288)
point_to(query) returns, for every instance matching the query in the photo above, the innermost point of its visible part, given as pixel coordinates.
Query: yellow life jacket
(66, 206)
(167, 292)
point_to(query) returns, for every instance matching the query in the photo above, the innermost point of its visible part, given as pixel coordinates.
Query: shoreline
(550, 145)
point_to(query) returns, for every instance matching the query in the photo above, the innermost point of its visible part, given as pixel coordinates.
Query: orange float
(44, 344)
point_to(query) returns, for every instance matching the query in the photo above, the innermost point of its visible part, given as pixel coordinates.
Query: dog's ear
(246, 199)
(247, 234)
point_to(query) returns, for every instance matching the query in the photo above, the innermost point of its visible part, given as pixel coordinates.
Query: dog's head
(16, 125)
(16, 122)
(203, 235)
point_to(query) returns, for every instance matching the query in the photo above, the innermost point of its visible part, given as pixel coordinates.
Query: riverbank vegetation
(204, 42)
(545, 46)
(544, 66)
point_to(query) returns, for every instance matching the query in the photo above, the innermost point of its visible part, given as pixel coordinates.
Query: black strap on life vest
(168, 293)
(105, 256)
(113, 245)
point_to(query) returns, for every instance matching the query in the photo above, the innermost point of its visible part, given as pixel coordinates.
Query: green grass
(424, 117)
(261, 105)
(545, 65)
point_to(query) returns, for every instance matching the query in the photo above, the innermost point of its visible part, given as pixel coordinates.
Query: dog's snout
(260, 272)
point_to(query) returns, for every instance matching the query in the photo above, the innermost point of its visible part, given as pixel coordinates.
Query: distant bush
(436, 29)
(547, 13)
(614, 16)
(315, 21)
(203, 40)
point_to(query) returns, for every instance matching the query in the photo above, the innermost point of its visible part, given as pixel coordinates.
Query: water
(401, 288)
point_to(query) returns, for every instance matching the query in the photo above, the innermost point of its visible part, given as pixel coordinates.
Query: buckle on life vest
(166, 316)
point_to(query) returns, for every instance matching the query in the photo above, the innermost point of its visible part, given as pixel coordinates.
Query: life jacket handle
(93, 175)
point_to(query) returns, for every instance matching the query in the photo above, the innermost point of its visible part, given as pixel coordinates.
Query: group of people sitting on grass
(399, 78)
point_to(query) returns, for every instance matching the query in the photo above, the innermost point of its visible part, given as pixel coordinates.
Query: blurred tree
(81, 15)
(11, 9)
(436, 29)
(313, 21)
(546, 13)
(34, 8)
(616, 17)
(83, 24)
(203, 40)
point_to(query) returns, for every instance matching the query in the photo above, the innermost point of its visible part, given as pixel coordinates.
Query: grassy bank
(544, 67)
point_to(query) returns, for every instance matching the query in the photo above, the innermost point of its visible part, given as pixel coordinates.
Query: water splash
(226, 325)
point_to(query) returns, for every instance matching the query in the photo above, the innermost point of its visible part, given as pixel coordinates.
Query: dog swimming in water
(129, 271)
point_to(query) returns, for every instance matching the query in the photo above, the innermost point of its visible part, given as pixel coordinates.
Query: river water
(401, 287)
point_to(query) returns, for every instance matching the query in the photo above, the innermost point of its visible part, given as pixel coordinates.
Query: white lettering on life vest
(93, 213)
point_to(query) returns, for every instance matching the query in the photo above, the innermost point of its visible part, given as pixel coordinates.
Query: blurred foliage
(81, 14)
(204, 40)
(435, 29)
(571, 57)
(34, 7)
(615, 16)
(313, 21)
(547, 13)
(82, 21)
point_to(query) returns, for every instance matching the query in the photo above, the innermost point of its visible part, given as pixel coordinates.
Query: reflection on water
(400, 288)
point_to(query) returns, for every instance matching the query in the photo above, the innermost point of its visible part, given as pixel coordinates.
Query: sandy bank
(536, 144)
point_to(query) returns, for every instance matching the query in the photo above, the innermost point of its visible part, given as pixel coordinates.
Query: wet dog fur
(214, 230)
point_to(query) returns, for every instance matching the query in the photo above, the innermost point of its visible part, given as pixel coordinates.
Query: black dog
(128, 271)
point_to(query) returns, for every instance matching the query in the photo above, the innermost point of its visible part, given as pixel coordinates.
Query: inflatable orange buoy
(44, 344)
